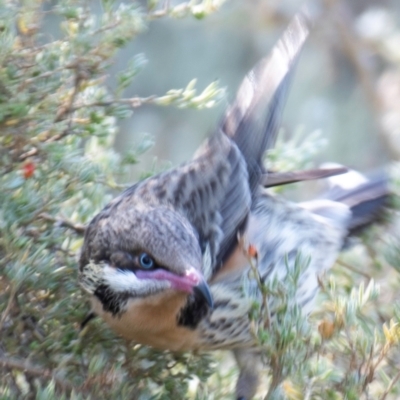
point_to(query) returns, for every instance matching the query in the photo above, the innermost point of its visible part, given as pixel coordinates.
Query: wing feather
(253, 120)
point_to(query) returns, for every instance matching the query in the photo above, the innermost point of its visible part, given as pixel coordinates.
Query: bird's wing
(225, 173)
(214, 190)
(254, 118)
(252, 122)
(195, 190)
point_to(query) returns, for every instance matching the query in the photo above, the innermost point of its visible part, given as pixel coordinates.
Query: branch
(134, 102)
(354, 269)
(8, 307)
(391, 384)
(351, 47)
(30, 153)
(78, 228)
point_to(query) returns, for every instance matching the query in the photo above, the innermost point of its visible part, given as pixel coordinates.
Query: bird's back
(280, 231)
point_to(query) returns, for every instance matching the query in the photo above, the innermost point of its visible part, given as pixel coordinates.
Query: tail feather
(366, 200)
(283, 178)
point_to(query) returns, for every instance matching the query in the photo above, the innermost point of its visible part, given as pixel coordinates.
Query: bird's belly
(151, 323)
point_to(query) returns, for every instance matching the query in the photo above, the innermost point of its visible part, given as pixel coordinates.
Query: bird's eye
(146, 261)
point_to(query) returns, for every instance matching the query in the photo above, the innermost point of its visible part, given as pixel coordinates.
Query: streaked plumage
(151, 258)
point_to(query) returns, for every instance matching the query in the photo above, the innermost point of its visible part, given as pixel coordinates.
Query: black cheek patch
(193, 312)
(112, 302)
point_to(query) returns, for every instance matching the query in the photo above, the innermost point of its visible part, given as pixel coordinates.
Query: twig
(368, 367)
(134, 102)
(67, 109)
(309, 387)
(44, 75)
(9, 305)
(29, 153)
(277, 377)
(160, 13)
(78, 228)
(391, 384)
(106, 28)
(61, 135)
(354, 269)
(351, 47)
(36, 49)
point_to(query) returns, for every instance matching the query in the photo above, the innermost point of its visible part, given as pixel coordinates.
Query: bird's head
(139, 252)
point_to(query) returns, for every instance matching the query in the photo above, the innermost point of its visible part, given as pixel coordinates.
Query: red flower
(28, 169)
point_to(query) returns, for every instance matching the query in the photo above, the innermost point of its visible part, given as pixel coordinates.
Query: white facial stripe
(126, 281)
(121, 280)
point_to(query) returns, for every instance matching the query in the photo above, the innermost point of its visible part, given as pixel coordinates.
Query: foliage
(57, 169)
(343, 351)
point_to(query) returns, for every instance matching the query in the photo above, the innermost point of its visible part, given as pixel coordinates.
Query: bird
(164, 261)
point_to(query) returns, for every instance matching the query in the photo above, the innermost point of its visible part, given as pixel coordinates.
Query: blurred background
(347, 85)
